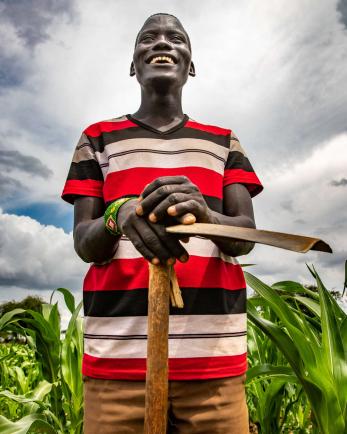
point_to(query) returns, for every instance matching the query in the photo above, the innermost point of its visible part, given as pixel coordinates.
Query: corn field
(296, 382)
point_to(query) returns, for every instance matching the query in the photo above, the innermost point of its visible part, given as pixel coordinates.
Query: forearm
(92, 241)
(232, 248)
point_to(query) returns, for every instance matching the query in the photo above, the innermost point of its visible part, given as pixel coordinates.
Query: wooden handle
(157, 350)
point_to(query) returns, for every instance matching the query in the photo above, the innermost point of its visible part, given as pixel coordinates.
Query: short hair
(168, 15)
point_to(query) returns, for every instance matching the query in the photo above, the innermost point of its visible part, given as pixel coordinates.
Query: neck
(160, 109)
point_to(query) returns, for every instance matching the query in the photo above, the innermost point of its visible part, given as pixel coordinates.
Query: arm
(93, 242)
(178, 196)
(238, 211)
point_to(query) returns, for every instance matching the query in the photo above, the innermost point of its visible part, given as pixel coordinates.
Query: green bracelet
(110, 216)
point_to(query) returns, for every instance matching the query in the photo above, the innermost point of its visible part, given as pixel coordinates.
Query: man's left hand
(175, 196)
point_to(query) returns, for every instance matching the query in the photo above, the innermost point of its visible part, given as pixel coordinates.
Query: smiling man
(130, 177)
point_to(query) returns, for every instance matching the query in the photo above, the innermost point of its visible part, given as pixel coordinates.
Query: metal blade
(296, 243)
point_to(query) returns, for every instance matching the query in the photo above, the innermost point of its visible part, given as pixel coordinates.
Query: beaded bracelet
(110, 216)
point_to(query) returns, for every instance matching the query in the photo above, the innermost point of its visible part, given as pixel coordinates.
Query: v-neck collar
(154, 130)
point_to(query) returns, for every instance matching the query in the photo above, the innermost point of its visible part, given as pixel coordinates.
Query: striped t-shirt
(207, 338)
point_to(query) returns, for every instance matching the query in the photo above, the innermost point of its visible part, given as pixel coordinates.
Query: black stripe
(105, 138)
(171, 336)
(236, 160)
(83, 145)
(157, 151)
(197, 301)
(86, 169)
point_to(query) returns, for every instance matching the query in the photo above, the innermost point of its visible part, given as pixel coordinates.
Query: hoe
(163, 286)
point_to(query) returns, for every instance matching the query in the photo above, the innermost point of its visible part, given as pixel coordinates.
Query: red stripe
(232, 176)
(197, 368)
(198, 272)
(97, 129)
(208, 128)
(133, 181)
(239, 175)
(86, 187)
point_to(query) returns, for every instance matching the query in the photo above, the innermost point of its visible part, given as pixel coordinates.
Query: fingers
(155, 244)
(187, 219)
(151, 242)
(163, 197)
(185, 209)
(142, 248)
(171, 243)
(160, 210)
(161, 181)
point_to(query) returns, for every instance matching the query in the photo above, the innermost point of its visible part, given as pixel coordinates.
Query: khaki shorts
(195, 407)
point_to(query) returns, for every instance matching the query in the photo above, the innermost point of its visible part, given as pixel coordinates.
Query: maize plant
(54, 403)
(275, 398)
(296, 382)
(310, 330)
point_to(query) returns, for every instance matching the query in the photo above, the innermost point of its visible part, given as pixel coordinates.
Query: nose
(161, 43)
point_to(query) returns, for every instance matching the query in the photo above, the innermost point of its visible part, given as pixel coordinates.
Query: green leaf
(5, 319)
(22, 426)
(294, 287)
(267, 371)
(68, 298)
(310, 304)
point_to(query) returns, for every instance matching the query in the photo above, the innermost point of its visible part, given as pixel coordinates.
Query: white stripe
(155, 160)
(178, 324)
(212, 347)
(196, 247)
(162, 145)
(83, 154)
(235, 146)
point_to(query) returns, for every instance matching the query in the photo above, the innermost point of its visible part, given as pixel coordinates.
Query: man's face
(162, 53)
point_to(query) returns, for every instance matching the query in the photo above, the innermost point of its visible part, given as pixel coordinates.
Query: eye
(177, 38)
(146, 38)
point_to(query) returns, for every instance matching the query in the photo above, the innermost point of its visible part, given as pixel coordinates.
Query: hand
(151, 240)
(174, 196)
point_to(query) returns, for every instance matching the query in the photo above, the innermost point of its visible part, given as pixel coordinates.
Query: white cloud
(299, 198)
(273, 71)
(37, 257)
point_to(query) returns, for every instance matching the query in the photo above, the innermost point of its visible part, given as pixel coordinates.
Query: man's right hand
(150, 239)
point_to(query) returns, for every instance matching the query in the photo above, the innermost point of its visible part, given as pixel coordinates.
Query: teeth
(162, 59)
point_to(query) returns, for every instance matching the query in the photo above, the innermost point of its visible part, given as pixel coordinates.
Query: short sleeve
(85, 176)
(239, 170)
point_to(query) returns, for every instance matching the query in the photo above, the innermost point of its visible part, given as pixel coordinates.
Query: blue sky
(275, 72)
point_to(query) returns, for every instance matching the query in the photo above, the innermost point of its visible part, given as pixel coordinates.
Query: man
(130, 177)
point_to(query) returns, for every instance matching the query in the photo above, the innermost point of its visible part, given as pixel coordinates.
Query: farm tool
(163, 286)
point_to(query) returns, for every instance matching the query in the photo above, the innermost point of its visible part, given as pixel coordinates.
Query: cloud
(274, 76)
(9, 187)
(342, 9)
(320, 211)
(32, 18)
(10, 160)
(25, 24)
(341, 183)
(37, 257)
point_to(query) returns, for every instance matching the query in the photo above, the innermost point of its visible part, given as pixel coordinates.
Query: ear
(192, 69)
(132, 69)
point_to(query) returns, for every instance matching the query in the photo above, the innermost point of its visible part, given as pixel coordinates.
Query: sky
(274, 72)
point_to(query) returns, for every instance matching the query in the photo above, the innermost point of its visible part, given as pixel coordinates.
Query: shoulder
(209, 128)
(106, 125)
